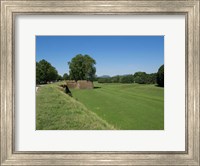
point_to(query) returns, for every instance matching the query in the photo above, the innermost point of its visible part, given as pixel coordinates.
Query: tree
(127, 79)
(65, 76)
(151, 78)
(104, 80)
(82, 68)
(38, 73)
(140, 77)
(95, 78)
(45, 72)
(59, 78)
(116, 79)
(160, 76)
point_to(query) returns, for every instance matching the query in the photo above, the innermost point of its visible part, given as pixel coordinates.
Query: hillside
(55, 110)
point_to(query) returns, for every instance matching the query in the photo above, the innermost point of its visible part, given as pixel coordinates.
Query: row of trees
(138, 77)
(82, 67)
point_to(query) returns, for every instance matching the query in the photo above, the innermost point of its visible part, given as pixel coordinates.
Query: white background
(172, 138)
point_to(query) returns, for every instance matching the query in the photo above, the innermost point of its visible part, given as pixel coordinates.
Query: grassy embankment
(124, 106)
(55, 110)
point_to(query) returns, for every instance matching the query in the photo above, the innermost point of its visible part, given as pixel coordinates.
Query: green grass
(55, 110)
(126, 106)
(108, 106)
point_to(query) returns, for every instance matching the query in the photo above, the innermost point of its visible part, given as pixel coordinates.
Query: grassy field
(126, 106)
(107, 106)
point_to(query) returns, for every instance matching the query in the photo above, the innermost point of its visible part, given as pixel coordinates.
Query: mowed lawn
(125, 106)
(106, 107)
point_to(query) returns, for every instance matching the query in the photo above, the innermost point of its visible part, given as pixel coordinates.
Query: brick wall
(81, 84)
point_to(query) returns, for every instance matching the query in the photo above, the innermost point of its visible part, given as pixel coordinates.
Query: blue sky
(114, 55)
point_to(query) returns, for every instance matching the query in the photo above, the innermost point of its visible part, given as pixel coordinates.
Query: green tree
(82, 68)
(151, 78)
(45, 72)
(104, 80)
(140, 77)
(127, 79)
(95, 78)
(65, 76)
(115, 79)
(38, 73)
(59, 78)
(160, 76)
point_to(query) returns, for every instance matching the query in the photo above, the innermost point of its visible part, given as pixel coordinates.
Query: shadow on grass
(159, 86)
(97, 87)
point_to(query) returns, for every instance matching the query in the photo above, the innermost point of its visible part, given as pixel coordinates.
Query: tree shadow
(159, 86)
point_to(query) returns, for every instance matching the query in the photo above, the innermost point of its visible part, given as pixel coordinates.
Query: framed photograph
(100, 82)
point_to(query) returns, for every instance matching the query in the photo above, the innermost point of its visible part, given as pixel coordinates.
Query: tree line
(82, 67)
(138, 77)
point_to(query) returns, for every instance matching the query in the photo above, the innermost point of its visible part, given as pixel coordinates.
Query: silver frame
(11, 8)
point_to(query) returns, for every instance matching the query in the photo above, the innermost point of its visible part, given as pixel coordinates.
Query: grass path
(57, 111)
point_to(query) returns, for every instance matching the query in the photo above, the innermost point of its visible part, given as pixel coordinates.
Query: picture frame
(10, 9)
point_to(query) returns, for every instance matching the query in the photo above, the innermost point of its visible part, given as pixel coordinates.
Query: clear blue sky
(114, 55)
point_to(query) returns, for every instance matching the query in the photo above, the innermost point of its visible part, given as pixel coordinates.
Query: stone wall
(81, 84)
(71, 84)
